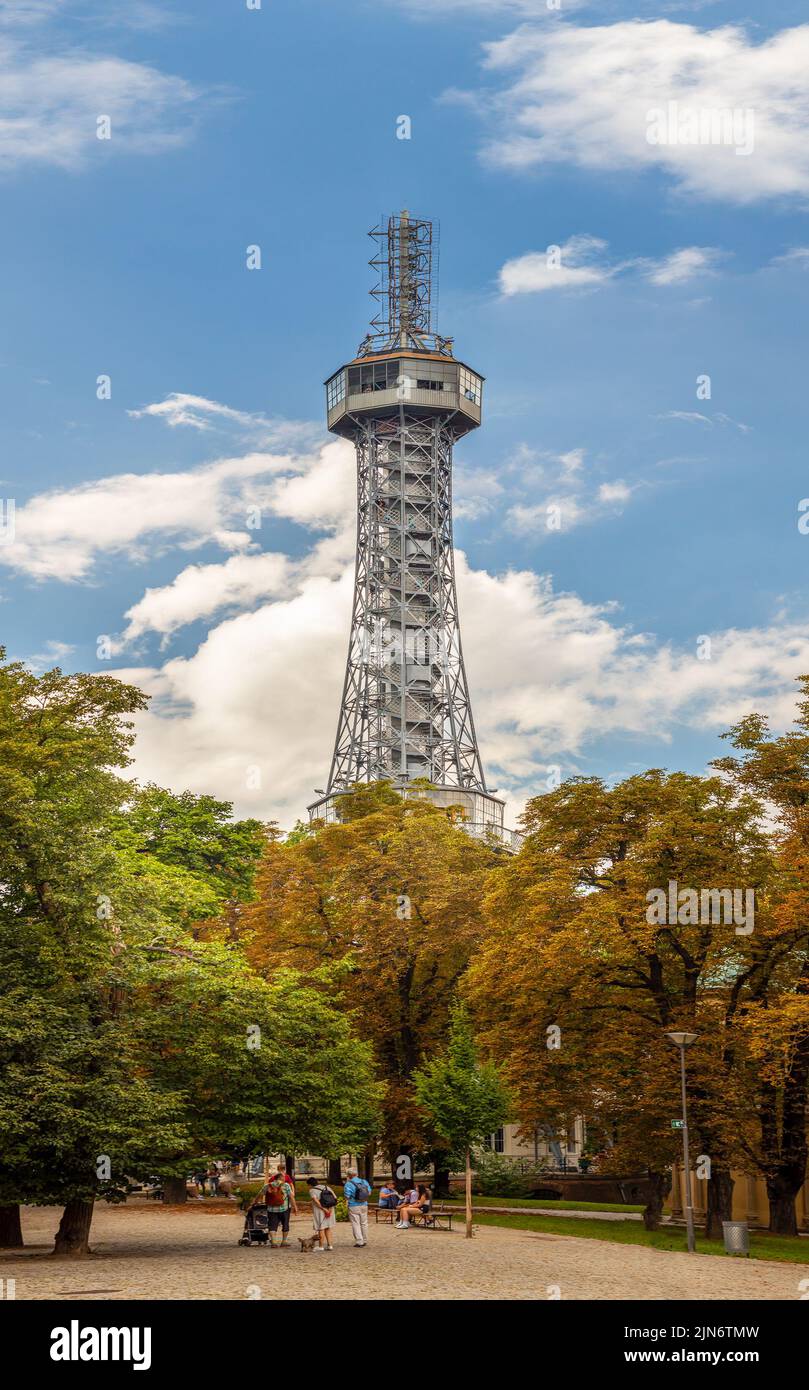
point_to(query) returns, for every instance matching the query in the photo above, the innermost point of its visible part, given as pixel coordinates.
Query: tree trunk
(73, 1236)
(468, 1195)
(440, 1181)
(335, 1176)
(781, 1196)
(289, 1165)
(719, 1206)
(659, 1184)
(10, 1228)
(367, 1166)
(174, 1191)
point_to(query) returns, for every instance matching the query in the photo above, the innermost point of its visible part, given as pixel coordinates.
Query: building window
(496, 1141)
(471, 385)
(335, 390)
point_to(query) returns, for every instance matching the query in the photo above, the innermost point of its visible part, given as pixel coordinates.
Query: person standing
(279, 1197)
(324, 1216)
(357, 1191)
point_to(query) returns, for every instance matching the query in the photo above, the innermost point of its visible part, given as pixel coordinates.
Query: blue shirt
(356, 1196)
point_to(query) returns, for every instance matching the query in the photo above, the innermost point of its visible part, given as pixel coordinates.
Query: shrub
(246, 1192)
(498, 1176)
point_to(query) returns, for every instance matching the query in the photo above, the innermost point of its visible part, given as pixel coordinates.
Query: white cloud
(575, 265)
(521, 9)
(582, 263)
(549, 673)
(681, 266)
(795, 256)
(618, 491)
(204, 415)
(50, 103)
(28, 11)
(584, 95)
(64, 533)
(200, 591)
(694, 417)
(559, 493)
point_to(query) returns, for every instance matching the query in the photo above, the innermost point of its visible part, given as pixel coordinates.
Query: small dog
(307, 1244)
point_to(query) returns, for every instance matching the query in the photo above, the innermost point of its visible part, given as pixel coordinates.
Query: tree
(197, 836)
(127, 1044)
(578, 979)
(259, 1066)
(70, 1098)
(465, 1099)
(391, 898)
(773, 1037)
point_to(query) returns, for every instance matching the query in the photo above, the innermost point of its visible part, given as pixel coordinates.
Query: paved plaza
(143, 1253)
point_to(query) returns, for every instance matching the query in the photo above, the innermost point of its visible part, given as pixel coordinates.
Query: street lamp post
(682, 1041)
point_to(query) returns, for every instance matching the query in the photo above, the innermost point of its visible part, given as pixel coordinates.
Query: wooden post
(676, 1191)
(468, 1195)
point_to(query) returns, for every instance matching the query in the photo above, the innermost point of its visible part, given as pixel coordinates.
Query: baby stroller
(256, 1227)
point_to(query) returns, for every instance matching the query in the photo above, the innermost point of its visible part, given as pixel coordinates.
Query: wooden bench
(431, 1220)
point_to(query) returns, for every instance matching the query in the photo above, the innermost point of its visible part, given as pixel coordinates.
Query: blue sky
(277, 127)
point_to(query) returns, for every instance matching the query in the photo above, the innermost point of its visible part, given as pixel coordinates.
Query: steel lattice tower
(404, 400)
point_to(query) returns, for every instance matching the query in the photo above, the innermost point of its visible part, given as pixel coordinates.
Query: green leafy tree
(70, 1097)
(127, 1044)
(466, 1099)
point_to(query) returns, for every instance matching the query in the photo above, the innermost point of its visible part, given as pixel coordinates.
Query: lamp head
(682, 1039)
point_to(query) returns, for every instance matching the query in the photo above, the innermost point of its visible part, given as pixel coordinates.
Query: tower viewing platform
(404, 400)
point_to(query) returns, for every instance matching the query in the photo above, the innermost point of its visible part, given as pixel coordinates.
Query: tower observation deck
(403, 401)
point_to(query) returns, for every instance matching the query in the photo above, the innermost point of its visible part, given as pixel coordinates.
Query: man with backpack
(357, 1191)
(279, 1198)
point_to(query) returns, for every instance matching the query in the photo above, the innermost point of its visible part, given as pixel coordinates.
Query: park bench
(438, 1219)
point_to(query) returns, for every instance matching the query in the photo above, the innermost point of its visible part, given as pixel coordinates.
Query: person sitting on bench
(421, 1207)
(388, 1196)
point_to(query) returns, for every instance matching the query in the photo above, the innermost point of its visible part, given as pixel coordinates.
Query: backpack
(327, 1198)
(361, 1190)
(275, 1195)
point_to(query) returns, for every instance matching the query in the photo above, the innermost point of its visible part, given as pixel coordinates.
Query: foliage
(388, 902)
(129, 1047)
(497, 1176)
(465, 1098)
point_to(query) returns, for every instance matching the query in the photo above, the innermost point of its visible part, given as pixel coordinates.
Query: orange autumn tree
(391, 900)
(773, 1042)
(573, 945)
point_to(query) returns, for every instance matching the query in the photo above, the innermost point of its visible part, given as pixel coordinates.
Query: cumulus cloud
(592, 95)
(582, 263)
(249, 711)
(50, 103)
(64, 533)
(575, 265)
(251, 714)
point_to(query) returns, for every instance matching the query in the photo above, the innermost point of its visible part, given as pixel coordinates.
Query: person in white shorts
(324, 1217)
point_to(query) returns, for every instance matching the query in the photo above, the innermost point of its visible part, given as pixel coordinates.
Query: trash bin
(737, 1237)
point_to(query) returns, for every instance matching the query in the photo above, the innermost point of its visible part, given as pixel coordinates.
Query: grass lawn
(545, 1203)
(762, 1247)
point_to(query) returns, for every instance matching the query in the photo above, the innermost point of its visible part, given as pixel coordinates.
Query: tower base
(482, 812)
